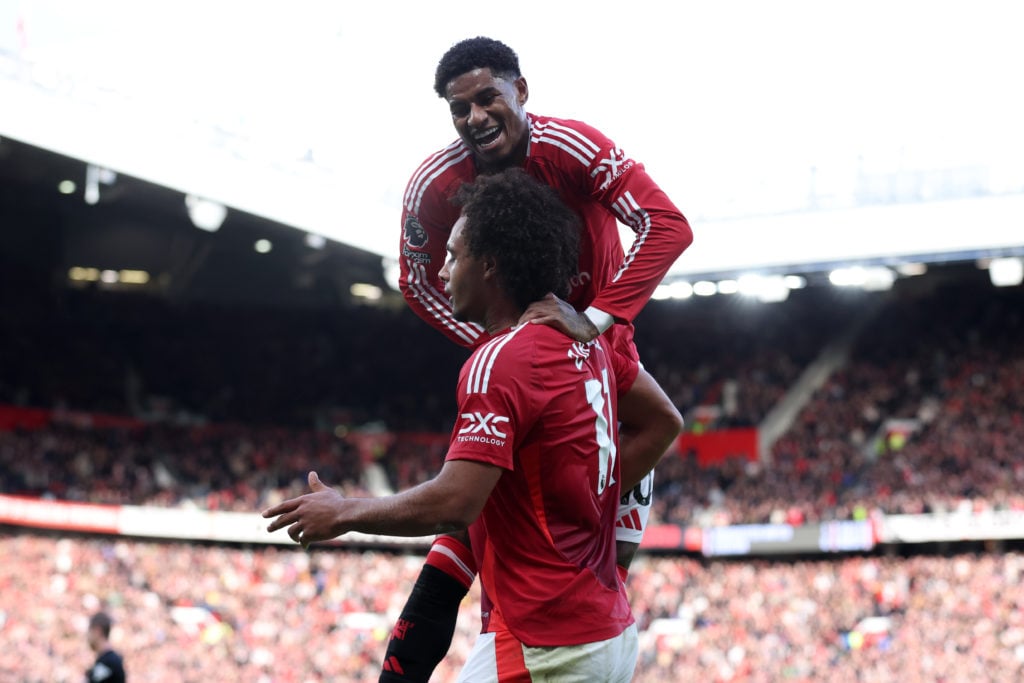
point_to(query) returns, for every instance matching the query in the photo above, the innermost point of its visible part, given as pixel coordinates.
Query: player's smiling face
(489, 116)
(463, 278)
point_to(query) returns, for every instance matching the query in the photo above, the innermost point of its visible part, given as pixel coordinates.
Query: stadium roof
(795, 136)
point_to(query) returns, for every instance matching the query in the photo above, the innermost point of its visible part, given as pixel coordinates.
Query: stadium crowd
(195, 613)
(229, 409)
(946, 368)
(946, 362)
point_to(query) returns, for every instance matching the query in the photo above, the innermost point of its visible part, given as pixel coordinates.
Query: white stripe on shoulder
(437, 305)
(430, 170)
(586, 142)
(636, 217)
(568, 149)
(429, 163)
(483, 362)
(570, 140)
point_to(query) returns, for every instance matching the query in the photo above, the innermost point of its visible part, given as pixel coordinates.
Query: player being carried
(532, 468)
(480, 80)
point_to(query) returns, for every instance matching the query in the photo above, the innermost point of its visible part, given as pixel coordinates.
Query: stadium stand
(899, 412)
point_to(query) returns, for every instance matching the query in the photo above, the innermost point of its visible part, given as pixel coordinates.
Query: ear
(490, 268)
(522, 90)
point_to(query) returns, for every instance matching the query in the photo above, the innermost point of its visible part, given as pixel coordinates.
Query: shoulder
(499, 360)
(112, 658)
(567, 137)
(524, 349)
(514, 357)
(443, 170)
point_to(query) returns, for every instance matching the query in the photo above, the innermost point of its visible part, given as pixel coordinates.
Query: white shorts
(634, 509)
(606, 661)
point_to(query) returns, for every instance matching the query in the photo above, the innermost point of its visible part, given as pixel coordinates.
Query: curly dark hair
(476, 53)
(524, 225)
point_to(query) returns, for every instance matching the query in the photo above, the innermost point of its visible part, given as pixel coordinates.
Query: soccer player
(532, 468)
(109, 667)
(480, 80)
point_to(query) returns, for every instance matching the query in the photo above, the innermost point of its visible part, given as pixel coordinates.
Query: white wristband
(602, 321)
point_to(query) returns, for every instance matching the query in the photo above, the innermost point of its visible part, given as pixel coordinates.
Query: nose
(477, 115)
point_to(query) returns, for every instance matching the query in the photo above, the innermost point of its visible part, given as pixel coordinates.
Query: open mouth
(487, 136)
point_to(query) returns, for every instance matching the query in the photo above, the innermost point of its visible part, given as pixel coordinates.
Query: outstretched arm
(449, 501)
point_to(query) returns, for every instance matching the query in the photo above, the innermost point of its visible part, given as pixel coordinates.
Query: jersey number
(599, 399)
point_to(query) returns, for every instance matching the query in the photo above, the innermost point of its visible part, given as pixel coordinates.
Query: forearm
(649, 425)
(421, 511)
(639, 452)
(662, 234)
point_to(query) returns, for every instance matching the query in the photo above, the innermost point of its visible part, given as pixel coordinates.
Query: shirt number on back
(599, 398)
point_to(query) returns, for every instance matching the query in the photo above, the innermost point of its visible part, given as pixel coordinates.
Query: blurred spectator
(192, 612)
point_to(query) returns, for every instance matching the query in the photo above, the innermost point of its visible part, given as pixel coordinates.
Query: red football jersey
(543, 408)
(595, 178)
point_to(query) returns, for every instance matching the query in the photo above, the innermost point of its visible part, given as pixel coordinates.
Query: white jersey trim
(450, 554)
(429, 171)
(569, 140)
(483, 362)
(636, 217)
(437, 306)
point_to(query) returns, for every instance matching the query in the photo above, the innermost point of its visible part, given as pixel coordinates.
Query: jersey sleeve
(427, 220)
(661, 231)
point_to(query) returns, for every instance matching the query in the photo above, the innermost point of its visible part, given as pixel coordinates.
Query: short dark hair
(101, 621)
(476, 53)
(524, 225)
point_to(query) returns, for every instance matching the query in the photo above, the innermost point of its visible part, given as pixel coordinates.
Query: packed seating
(229, 409)
(198, 613)
(226, 423)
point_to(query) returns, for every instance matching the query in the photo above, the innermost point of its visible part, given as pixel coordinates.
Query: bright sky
(730, 105)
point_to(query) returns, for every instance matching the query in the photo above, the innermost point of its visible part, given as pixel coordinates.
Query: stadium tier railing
(735, 540)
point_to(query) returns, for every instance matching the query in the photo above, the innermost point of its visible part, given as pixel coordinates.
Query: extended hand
(312, 517)
(558, 314)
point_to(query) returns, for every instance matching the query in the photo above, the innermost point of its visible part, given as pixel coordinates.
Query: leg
(423, 632)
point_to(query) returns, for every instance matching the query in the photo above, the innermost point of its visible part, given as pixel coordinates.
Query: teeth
(479, 135)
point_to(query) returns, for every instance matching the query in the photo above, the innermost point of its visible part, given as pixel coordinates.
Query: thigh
(606, 661)
(482, 663)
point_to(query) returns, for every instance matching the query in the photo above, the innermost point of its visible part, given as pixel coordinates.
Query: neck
(498, 320)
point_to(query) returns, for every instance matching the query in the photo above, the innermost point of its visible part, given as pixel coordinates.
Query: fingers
(282, 521)
(529, 316)
(314, 482)
(281, 508)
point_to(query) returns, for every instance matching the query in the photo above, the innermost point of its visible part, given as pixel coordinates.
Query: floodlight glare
(315, 241)
(680, 290)
(205, 214)
(728, 287)
(661, 292)
(366, 291)
(705, 288)
(1006, 272)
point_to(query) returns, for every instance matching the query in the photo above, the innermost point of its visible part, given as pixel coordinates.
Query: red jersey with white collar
(543, 408)
(595, 178)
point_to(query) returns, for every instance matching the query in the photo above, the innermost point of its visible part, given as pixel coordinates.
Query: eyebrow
(484, 91)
